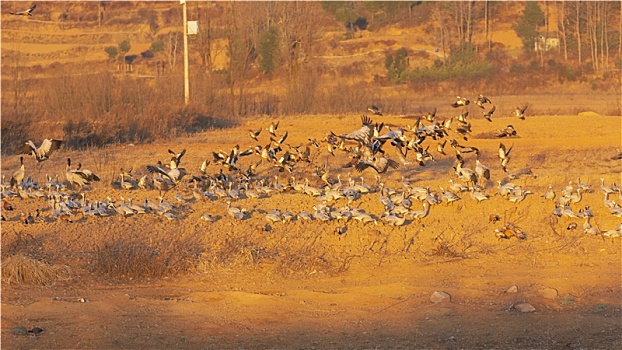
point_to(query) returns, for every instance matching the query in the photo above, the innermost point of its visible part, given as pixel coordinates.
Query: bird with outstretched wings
(27, 12)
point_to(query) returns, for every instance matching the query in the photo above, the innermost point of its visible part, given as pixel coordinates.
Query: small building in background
(545, 44)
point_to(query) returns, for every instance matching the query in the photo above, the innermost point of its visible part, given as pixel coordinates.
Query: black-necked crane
(77, 177)
(18, 175)
(481, 170)
(166, 180)
(465, 174)
(42, 152)
(90, 176)
(380, 164)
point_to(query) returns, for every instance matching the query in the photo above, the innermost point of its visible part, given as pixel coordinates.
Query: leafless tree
(578, 28)
(172, 47)
(561, 25)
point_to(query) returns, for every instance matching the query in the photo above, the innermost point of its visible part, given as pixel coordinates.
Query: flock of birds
(279, 167)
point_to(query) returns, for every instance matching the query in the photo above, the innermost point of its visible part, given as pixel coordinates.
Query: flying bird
(176, 157)
(272, 128)
(488, 115)
(520, 112)
(460, 102)
(504, 155)
(26, 12)
(374, 110)
(254, 134)
(42, 152)
(481, 100)
(379, 164)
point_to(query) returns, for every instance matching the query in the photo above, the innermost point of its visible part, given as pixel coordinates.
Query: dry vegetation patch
(133, 255)
(21, 269)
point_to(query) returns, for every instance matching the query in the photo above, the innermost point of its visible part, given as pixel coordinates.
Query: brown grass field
(145, 282)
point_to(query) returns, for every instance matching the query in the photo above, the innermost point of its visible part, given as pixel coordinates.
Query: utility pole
(186, 83)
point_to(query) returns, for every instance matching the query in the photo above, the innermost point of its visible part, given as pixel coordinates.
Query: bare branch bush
(131, 255)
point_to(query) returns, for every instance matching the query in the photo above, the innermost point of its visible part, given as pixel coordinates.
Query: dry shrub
(291, 258)
(16, 242)
(454, 243)
(140, 256)
(21, 269)
(237, 250)
(312, 257)
(14, 133)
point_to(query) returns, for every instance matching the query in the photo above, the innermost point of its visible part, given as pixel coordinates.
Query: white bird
(274, 216)
(42, 152)
(449, 196)
(420, 214)
(27, 12)
(393, 219)
(479, 196)
(549, 194)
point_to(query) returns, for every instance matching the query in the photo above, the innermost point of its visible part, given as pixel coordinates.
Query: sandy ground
(301, 285)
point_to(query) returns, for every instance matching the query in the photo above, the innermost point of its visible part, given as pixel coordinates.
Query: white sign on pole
(193, 27)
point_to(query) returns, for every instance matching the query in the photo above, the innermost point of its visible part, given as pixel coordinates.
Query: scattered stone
(549, 293)
(439, 296)
(20, 330)
(567, 300)
(35, 331)
(525, 307)
(512, 289)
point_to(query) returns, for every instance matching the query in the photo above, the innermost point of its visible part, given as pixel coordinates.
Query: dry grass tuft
(445, 249)
(21, 269)
(136, 256)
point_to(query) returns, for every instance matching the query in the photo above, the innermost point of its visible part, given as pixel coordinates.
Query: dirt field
(301, 285)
